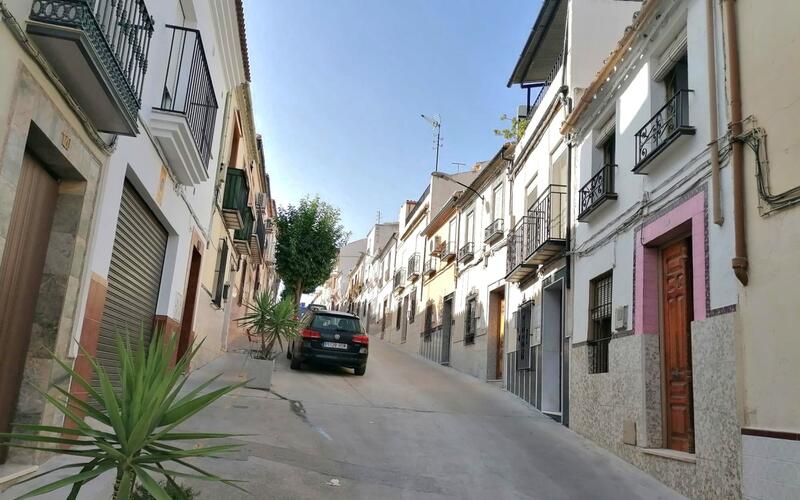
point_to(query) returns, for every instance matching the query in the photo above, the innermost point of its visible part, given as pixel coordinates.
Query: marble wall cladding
(78, 170)
(771, 468)
(633, 392)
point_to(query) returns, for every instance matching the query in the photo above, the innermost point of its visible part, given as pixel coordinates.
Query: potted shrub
(136, 435)
(271, 323)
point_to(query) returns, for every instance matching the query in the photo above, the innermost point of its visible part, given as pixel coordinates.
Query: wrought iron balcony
(595, 192)
(258, 239)
(184, 121)
(466, 252)
(668, 124)
(429, 268)
(449, 251)
(540, 236)
(493, 231)
(437, 248)
(413, 267)
(234, 200)
(241, 237)
(399, 283)
(99, 50)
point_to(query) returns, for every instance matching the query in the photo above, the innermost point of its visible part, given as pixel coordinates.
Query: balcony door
(20, 277)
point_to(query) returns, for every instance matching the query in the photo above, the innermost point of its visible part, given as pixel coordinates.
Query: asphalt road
(408, 429)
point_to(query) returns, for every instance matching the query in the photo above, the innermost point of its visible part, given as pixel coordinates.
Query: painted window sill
(681, 456)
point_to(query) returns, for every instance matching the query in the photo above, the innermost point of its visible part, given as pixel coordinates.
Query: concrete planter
(259, 372)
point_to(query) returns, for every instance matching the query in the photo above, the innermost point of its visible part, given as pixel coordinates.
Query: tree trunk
(298, 292)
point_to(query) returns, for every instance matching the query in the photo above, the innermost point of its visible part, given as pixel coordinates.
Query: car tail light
(308, 333)
(361, 339)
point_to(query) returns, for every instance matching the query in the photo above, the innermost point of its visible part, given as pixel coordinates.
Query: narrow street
(407, 429)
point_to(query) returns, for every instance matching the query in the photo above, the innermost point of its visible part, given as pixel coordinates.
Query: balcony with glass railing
(99, 50)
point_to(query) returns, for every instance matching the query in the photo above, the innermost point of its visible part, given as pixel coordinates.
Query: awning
(545, 44)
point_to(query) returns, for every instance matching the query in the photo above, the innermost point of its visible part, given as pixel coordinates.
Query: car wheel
(360, 370)
(295, 364)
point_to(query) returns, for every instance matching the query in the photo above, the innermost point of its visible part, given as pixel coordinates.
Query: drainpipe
(739, 262)
(716, 205)
(566, 101)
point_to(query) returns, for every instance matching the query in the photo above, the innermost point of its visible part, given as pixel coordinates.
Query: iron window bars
(188, 88)
(597, 190)
(600, 323)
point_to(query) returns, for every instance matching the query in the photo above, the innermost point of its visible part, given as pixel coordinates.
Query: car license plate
(335, 345)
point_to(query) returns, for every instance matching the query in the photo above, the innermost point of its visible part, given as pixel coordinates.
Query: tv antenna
(436, 123)
(458, 165)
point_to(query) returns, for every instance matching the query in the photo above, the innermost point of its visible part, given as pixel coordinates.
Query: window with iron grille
(470, 321)
(219, 273)
(599, 322)
(399, 315)
(412, 313)
(524, 335)
(428, 320)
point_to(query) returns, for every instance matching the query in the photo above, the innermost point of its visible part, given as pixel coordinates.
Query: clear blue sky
(339, 85)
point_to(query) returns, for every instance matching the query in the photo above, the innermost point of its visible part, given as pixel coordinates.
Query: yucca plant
(271, 321)
(136, 432)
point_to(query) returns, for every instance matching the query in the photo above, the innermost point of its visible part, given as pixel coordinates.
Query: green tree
(515, 130)
(309, 237)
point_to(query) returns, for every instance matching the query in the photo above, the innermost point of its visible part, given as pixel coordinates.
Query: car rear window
(326, 322)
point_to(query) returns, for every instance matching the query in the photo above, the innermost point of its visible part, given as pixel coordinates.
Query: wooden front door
(501, 336)
(20, 277)
(187, 319)
(677, 311)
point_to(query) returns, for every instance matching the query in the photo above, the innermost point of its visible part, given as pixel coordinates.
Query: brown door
(20, 277)
(501, 336)
(185, 341)
(677, 310)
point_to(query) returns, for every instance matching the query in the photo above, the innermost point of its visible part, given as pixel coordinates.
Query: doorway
(404, 331)
(21, 272)
(187, 319)
(676, 265)
(552, 343)
(496, 351)
(447, 327)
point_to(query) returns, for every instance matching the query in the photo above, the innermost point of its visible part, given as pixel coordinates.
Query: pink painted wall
(646, 279)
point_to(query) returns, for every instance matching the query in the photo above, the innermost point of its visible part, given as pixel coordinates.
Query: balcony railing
(669, 123)
(241, 237)
(438, 248)
(413, 267)
(599, 189)
(117, 35)
(234, 200)
(466, 252)
(539, 236)
(429, 268)
(399, 283)
(545, 86)
(258, 240)
(188, 88)
(449, 251)
(493, 231)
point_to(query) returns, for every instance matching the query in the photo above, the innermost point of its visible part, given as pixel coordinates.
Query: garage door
(134, 278)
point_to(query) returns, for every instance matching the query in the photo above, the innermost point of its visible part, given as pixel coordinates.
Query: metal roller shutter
(134, 278)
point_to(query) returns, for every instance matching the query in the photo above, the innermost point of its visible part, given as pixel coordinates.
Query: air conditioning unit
(261, 201)
(621, 318)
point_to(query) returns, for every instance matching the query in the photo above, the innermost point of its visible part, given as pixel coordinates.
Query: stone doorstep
(681, 456)
(9, 473)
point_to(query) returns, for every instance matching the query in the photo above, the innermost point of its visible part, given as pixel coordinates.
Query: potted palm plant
(271, 323)
(134, 434)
